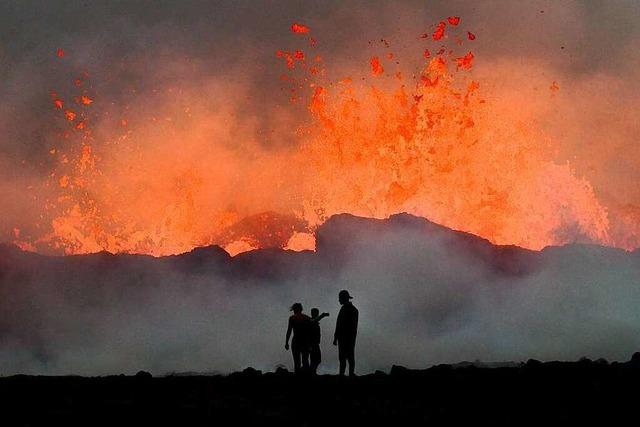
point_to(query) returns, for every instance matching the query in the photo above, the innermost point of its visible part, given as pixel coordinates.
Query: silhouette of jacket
(347, 324)
(345, 336)
(301, 326)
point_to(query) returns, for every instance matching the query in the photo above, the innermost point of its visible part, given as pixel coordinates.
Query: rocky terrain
(531, 393)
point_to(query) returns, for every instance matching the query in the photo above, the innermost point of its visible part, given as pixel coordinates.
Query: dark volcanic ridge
(337, 238)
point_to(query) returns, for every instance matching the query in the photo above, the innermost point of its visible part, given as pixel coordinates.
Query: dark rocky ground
(534, 393)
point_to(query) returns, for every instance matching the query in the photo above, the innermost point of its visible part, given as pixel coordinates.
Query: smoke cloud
(426, 295)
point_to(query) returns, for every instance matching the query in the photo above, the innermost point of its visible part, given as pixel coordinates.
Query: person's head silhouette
(296, 308)
(315, 312)
(344, 297)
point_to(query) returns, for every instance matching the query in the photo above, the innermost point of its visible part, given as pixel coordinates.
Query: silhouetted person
(300, 324)
(346, 331)
(314, 339)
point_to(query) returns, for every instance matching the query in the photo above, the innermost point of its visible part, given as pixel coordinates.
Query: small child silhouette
(315, 338)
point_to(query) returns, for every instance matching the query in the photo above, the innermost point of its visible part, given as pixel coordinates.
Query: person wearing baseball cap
(346, 331)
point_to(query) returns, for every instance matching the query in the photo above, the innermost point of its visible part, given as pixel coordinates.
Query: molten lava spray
(376, 141)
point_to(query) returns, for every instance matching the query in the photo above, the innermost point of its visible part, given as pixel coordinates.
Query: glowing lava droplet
(299, 28)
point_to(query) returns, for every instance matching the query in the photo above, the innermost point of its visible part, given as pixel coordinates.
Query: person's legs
(348, 355)
(316, 357)
(352, 362)
(296, 357)
(305, 358)
(342, 357)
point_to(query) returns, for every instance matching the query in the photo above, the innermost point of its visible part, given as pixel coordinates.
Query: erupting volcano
(217, 189)
(385, 138)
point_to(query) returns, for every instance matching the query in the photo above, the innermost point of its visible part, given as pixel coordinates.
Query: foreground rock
(533, 393)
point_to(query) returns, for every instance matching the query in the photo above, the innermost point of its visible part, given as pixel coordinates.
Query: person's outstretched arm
(289, 328)
(320, 317)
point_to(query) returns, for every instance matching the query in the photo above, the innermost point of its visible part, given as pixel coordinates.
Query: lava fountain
(371, 142)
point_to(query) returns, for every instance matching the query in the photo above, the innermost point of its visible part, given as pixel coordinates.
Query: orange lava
(439, 32)
(376, 67)
(465, 62)
(299, 28)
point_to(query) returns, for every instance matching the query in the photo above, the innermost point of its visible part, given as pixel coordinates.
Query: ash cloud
(426, 295)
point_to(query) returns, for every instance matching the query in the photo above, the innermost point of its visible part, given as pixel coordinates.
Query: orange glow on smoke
(435, 146)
